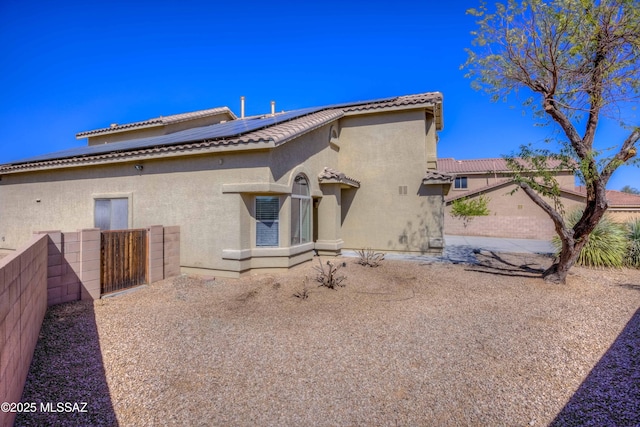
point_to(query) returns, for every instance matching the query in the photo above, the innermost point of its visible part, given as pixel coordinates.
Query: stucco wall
(212, 196)
(392, 210)
(188, 192)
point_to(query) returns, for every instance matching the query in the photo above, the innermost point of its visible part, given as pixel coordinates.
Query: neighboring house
(623, 207)
(249, 193)
(514, 214)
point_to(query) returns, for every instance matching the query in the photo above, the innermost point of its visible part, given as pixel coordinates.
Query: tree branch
(626, 153)
(557, 219)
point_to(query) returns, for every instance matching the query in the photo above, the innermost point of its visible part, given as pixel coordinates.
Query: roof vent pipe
(273, 108)
(242, 107)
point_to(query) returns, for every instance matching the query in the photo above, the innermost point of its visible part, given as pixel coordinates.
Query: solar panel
(217, 131)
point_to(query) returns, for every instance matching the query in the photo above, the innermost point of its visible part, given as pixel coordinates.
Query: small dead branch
(368, 257)
(328, 275)
(304, 292)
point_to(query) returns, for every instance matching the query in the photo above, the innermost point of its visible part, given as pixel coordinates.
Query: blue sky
(70, 66)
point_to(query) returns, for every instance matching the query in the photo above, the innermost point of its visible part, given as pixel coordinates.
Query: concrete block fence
(23, 303)
(517, 227)
(52, 268)
(171, 244)
(74, 261)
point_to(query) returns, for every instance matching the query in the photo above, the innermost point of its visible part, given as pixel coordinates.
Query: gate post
(90, 263)
(155, 263)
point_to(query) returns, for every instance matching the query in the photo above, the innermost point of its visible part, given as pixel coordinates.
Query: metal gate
(123, 259)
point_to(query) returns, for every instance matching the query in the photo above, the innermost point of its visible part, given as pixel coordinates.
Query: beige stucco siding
(185, 191)
(387, 153)
(211, 196)
(309, 155)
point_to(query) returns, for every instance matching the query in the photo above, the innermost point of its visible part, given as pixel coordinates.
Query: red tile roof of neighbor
(616, 198)
(451, 165)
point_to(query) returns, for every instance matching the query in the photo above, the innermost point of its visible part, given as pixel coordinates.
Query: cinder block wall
(171, 251)
(623, 216)
(73, 271)
(53, 268)
(517, 227)
(23, 303)
(63, 280)
(155, 235)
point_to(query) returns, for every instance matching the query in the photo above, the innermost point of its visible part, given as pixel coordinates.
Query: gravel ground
(403, 344)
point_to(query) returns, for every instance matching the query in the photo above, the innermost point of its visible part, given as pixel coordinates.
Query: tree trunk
(572, 243)
(558, 271)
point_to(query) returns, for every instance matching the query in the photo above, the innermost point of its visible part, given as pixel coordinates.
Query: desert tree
(466, 209)
(573, 63)
(630, 190)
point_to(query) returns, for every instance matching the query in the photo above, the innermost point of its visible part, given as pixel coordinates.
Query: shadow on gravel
(494, 263)
(631, 286)
(67, 368)
(610, 395)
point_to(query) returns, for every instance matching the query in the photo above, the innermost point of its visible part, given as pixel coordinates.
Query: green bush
(607, 245)
(633, 251)
(466, 209)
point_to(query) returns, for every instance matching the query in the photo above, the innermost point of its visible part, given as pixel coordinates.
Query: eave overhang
(332, 176)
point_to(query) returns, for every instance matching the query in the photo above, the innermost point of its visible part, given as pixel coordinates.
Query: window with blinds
(267, 220)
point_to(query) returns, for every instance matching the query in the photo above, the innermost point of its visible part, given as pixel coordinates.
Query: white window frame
(298, 200)
(459, 181)
(275, 222)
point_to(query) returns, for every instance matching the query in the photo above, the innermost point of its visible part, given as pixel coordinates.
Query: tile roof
(329, 175)
(428, 98)
(276, 135)
(451, 165)
(463, 194)
(432, 176)
(275, 130)
(616, 198)
(281, 133)
(407, 100)
(162, 120)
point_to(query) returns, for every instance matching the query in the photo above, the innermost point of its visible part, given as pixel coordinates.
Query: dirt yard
(403, 344)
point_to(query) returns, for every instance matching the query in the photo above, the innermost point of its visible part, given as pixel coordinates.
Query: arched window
(300, 211)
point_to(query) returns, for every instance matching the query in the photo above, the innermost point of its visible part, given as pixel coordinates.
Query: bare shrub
(328, 274)
(369, 257)
(304, 292)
